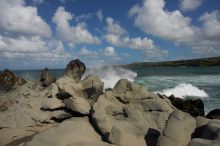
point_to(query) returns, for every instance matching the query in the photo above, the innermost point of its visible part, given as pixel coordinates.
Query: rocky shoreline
(71, 111)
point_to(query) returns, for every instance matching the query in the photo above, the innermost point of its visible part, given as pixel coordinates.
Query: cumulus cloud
(72, 34)
(152, 18)
(114, 28)
(33, 48)
(189, 5)
(118, 36)
(110, 51)
(17, 18)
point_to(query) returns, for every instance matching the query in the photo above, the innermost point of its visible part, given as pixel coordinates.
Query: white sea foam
(111, 75)
(183, 90)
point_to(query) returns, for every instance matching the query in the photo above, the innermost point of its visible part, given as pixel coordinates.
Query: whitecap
(111, 75)
(185, 90)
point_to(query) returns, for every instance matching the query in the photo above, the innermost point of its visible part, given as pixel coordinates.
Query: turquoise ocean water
(184, 82)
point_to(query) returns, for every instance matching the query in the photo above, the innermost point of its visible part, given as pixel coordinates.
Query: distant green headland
(214, 61)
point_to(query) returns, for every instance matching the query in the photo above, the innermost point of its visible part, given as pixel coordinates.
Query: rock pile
(75, 112)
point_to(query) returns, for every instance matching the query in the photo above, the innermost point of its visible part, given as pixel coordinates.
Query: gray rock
(78, 104)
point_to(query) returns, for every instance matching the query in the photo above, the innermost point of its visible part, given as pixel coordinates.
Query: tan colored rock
(69, 85)
(127, 91)
(52, 103)
(78, 104)
(178, 130)
(92, 87)
(69, 132)
(131, 116)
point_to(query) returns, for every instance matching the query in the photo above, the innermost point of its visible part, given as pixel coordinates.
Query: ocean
(183, 82)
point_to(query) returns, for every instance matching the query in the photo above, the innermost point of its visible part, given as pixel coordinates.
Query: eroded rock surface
(125, 114)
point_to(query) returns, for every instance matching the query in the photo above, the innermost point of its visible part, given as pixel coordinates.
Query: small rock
(46, 78)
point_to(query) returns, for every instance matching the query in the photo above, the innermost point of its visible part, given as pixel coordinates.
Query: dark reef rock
(75, 69)
(9, 80)
(193, 107)
(214, 114)
(46, 78)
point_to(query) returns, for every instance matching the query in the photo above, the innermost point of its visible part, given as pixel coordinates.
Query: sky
(49, 33)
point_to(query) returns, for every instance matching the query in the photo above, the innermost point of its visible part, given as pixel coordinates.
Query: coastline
(81, 112)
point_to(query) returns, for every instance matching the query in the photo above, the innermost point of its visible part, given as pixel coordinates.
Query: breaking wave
(111, 75)
(185, 90)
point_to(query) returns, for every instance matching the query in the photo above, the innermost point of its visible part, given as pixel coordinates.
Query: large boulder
(92, 87)
(46, 78)
(68, 87)
(193, 107)
(178, 129)
(127, 113)
(70, 132)
(78, 104)
(214, 114)
(8, 80)
(75, 69)
(52, 104)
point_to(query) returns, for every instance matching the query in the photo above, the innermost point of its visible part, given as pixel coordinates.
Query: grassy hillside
(214, 61)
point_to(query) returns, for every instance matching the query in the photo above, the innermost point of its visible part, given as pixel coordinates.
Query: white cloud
(32, 49)
(152, 18)
(117, 36)
(17, 18)
(189, 5)
(113, 27)
(110, 51)
(72, 34)
(211, 24)
(83, 17)
(86, 52)
(99, 15)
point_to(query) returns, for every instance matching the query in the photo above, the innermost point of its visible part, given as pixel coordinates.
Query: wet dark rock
(193, 107)
(214, 114)
(9, 80)
(46, 78)
(75, 69)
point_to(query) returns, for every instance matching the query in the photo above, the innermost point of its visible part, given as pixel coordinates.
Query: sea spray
(111, 75)
(185, 90)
